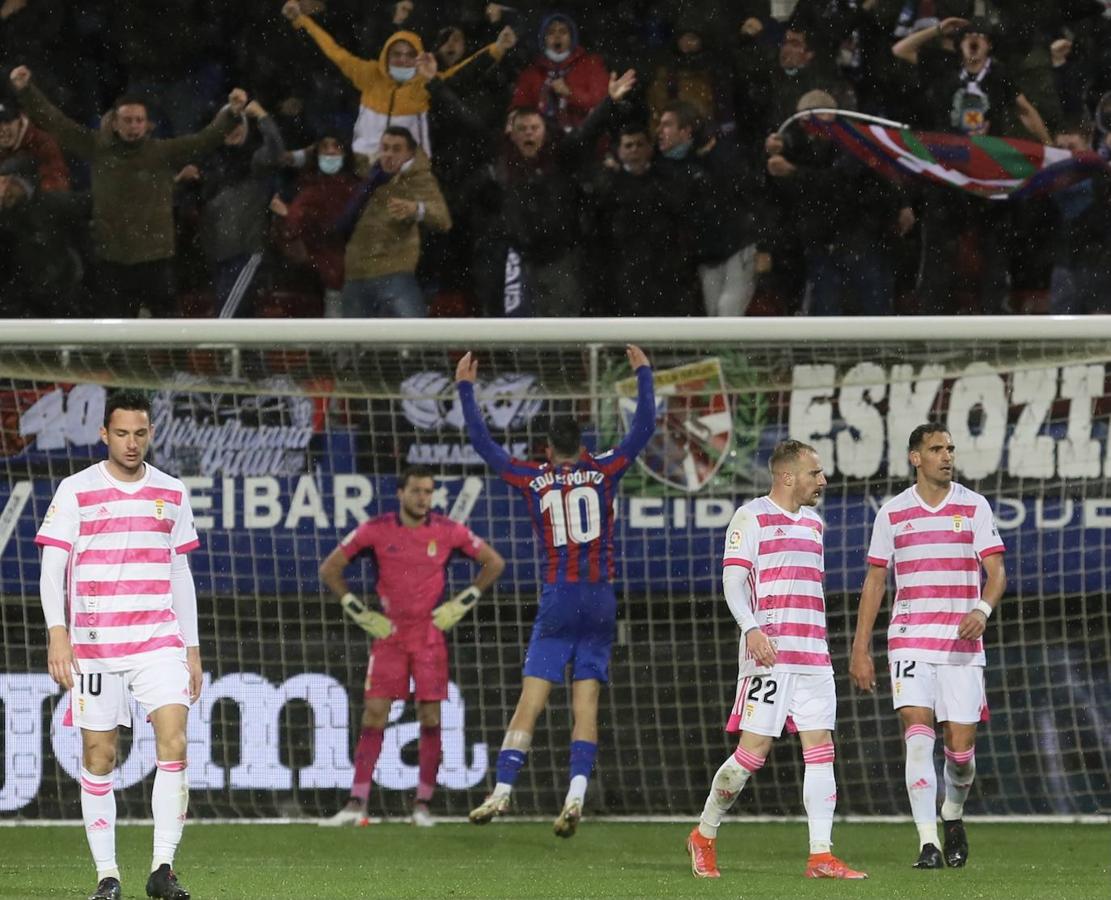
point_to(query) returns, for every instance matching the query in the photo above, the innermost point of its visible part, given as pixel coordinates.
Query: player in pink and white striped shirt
(939, 534)
(114, 544)
(773, 570)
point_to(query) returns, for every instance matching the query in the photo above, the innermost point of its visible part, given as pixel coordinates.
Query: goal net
(289, 433)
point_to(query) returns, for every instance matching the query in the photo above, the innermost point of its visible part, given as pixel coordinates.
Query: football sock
(508, 766)
(583, 754)
(819, 795)
(921, 780)
(98, 809)
(169, 800)
(960, 772)
(726, 787)
(428, 753)
(366, 758)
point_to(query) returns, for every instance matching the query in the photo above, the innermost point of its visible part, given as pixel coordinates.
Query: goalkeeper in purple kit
(571, 504)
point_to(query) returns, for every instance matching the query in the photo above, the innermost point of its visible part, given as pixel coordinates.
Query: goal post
(289, 432)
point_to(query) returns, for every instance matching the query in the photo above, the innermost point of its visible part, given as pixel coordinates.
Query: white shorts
(764, 703)
(100, 700)
(954, 693)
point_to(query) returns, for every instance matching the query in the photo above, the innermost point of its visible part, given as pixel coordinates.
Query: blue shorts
(576, 625)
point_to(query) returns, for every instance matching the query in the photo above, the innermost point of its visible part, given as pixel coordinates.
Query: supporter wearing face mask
(564, 82)
(308, 234)
(394, 87)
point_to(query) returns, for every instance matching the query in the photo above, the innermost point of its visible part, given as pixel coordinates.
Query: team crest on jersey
(958, 523)
(431, 548)
(160, 508)
(694, 423)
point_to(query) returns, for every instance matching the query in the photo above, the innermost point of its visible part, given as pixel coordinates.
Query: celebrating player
(571, 500)
(412, 549)
(939, 534)
(114, 544)
(773, 569)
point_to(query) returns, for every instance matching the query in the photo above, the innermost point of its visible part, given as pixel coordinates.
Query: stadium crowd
(343, 157)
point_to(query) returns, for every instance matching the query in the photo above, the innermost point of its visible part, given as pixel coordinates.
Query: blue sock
(582, 758)
(509, 765)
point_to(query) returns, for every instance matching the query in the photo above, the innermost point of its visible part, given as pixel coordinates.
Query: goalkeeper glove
(447, 615)
(373, 623)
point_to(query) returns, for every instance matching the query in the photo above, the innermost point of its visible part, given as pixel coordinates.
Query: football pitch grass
(524, 860)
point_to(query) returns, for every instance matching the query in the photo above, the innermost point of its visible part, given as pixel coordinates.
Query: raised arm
(506, 41)
(907, 49)
(73, 138)
(360, 72)
(269, 155)
(644, 419)
(584, 138)
(185, 149)
(861, 668)
(1032, 119)
(495, 456)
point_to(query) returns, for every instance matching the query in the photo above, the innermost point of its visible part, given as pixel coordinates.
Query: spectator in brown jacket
(20, 139)
(132, 189)
(399, 195)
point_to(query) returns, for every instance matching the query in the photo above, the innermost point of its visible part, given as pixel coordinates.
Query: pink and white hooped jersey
(785, 559)
(121, 537)
(937, 552)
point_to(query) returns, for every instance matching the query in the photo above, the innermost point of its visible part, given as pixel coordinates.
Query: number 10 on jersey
(575, 516)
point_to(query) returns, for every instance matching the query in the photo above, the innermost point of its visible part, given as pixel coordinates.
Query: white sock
(168, 802)
(577, 791)
(726, 787)
(921, 780)
(501, 789)
(960, 772)
(819, 795)
(98, 809)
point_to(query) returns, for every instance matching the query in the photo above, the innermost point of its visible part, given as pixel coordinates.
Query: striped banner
(989, 167)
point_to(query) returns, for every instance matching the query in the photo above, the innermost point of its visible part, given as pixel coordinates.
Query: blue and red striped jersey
(571, 504)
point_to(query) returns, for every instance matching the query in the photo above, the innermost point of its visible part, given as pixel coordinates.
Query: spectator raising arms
(132, 186)
(393, 92)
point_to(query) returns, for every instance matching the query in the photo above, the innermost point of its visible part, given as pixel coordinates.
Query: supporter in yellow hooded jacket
(393, 92)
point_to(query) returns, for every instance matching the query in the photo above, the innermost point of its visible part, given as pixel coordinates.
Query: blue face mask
(678, 151)
(330, 164)
(402, 73)
(557, 57)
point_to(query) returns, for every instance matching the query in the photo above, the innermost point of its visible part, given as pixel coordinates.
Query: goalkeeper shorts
(398, 668)
(575, 624)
